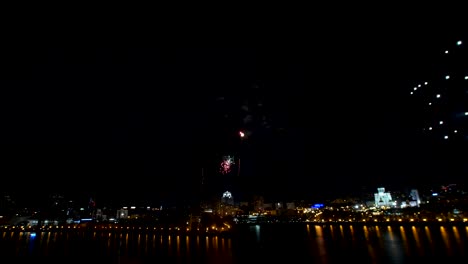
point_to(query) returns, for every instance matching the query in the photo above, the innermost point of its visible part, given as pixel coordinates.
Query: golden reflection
(154, 241)
(377, 232)
(446, 240)
(308, 230)
(187, 243)
(108, 242)
(429, 237)
(169, 244)
(214, 241)
(366, 233)
(404, 240)
(456, 234)
(207, 243)
(46, 247)
(390, 232)
(318, 231)
(414, 230)
(341, 231)
(322, 250)
(18, 248)
(351, 228)
(48, 238)
(372, 254)
(428, 234)
(178, 245)
(126, 243)
(146, 244)
(42, 238)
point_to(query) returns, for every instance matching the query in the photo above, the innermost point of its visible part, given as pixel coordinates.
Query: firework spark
(226, 164)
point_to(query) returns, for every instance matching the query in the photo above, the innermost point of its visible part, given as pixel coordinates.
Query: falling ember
(226, 164)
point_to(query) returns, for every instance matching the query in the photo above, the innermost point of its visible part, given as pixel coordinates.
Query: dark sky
(325, 107)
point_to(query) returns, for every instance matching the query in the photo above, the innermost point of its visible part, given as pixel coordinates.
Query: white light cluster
(448, 98)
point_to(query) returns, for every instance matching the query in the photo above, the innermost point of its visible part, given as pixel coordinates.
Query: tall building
(416, 200)
(227, 198)
(382, 198)
(122, 214)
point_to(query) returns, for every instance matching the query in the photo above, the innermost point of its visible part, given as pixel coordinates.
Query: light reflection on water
(318, 243)
(445, 239)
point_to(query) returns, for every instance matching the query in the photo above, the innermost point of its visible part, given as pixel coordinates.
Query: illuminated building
(227, 198)
(122, 214)
(415, 196)
(382, 198)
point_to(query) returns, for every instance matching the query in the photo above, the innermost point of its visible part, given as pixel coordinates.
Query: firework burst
(226, 164)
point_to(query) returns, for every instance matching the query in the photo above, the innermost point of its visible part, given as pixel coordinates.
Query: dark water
(249, 244)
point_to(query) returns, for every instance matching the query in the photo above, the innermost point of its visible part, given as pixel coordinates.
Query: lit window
(425, 83)
(438, 96)
(445, 137)
(430, 103)
(441, 122)
(446, 52)
(459, 43)
(447, 77)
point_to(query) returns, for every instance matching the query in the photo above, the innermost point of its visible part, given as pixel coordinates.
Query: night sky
(326, 111)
